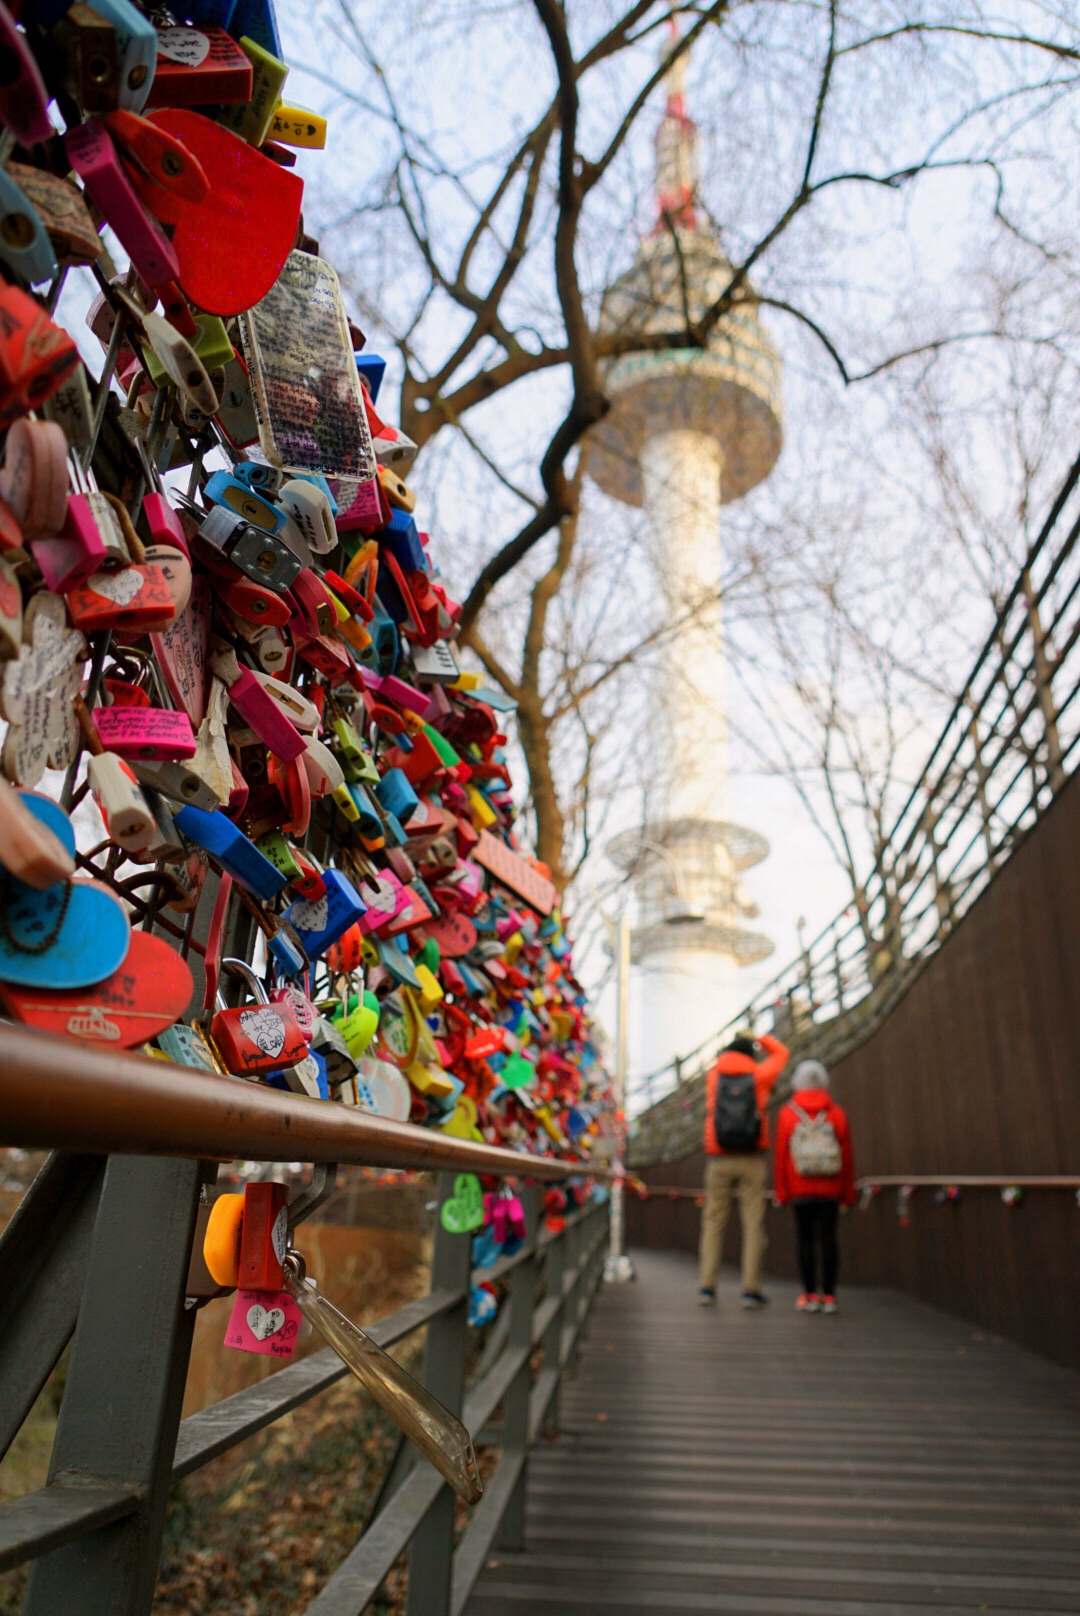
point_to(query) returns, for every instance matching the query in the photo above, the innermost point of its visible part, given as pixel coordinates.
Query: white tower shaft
(681, 472)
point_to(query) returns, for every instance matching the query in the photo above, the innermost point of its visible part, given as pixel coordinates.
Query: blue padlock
(256, 19)
(24, 244)
(402, 538)
(237, 494)
(393, 955)
(372, 368)
(136, 50)
(319, 922)
(396, 795)
(237, 856)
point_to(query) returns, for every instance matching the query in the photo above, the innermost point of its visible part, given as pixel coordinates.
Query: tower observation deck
(690, 429)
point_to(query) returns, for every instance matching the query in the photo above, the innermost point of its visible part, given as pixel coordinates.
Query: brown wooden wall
(976, 1071)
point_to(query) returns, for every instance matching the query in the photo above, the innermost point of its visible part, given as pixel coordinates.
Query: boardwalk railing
(81, 1248)
(1006, 750)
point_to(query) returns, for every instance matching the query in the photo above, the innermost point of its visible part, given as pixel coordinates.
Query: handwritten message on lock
(264, 1321)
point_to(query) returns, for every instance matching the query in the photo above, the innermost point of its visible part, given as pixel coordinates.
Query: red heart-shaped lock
(231, 246)
(143, 996)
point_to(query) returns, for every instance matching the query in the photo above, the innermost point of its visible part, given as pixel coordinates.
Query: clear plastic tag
(304, 380)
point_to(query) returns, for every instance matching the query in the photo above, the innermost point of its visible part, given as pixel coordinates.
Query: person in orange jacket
(737, 1093)
(814, 1173)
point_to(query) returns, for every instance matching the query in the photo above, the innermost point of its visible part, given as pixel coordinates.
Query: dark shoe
(753, 1299)
(706, 1297)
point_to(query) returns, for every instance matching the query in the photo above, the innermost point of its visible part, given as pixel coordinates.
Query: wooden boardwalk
(886, 1461)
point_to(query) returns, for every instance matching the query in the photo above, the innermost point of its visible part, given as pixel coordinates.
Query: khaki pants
(744, 1179)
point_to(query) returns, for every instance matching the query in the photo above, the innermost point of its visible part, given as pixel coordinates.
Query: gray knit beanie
(810, 1074)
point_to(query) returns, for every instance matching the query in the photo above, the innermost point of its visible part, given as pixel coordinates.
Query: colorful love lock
(228, 845)
(257, 1038)
(36, 356)
(198, 67)
(25, 247)
(94, 159)
(261, 556)
(129, 821)
(148, 991)
(320, 922)
(154, 156)
(256, 705)
(136, 50)
(135, 599)
(381, 1088)
(24, 100)
(252, 199)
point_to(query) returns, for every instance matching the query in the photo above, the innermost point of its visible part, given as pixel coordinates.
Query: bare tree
(487, 251)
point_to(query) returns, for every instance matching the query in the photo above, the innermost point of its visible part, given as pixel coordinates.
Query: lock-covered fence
(1005, 752)
(255, 823)
(113, 1240)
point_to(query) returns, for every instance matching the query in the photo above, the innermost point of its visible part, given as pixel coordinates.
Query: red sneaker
(808, 1303)
(829, 1304)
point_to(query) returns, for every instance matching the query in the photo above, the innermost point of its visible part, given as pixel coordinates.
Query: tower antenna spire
(676, 148)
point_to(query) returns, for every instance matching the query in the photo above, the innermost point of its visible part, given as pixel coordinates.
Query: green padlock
(359, 1026)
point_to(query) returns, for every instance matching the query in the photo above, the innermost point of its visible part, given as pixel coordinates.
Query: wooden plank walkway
(885, 1461)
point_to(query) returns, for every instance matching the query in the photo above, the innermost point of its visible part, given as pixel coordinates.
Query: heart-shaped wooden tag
(464, 1211)
(146, 994)
(231, 245)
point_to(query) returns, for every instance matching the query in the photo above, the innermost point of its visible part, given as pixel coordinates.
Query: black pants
(815, 1221)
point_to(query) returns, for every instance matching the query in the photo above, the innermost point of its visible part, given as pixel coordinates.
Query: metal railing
(1005, 751)
(82, 1249)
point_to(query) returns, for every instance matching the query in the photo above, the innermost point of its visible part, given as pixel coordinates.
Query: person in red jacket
(814, 1173)
(737, 1093)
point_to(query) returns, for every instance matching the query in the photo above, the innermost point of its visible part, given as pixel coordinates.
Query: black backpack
(736, 1119)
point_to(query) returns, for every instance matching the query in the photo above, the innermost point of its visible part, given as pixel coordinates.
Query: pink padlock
(80, 548)
(260, 711)
(93, 157)
(163, 526)
(396, 690)
(302, 1007)
(145, 733)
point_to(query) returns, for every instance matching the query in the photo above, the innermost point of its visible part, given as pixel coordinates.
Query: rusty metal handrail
(62, 1096)
(917, 1181)
(970, 1181)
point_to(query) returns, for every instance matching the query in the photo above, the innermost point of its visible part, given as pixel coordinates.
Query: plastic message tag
(252, 200)
(307, 394)
(267, 1322)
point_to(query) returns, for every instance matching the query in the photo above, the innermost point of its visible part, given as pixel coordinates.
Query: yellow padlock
(296, 126)
(430, 1080)
(431, 992)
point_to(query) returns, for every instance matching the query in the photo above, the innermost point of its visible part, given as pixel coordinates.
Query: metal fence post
(511, 1533)
(551, 1341)
(125, 1387)
(431, 1556)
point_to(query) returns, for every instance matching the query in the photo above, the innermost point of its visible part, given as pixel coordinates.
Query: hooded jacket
(765, 1074)
(788, 1185)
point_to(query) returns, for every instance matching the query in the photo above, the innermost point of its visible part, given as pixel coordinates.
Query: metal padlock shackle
(255, 983)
